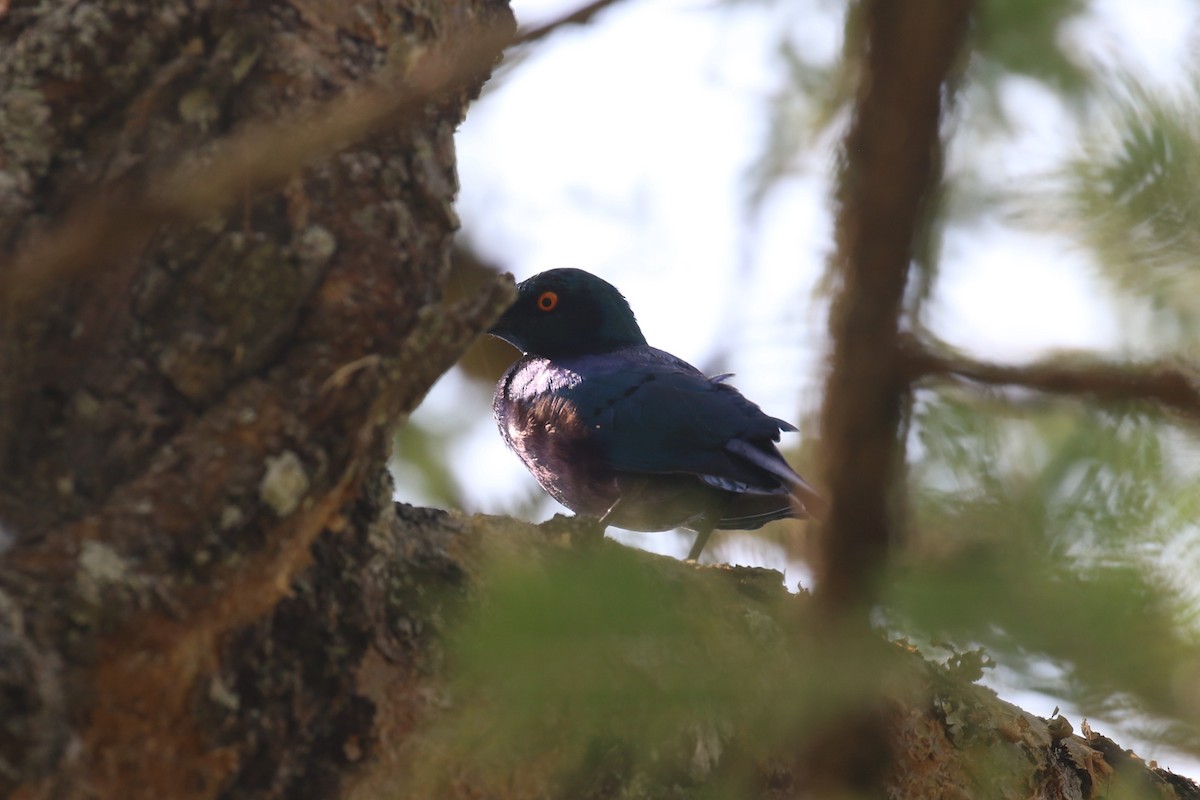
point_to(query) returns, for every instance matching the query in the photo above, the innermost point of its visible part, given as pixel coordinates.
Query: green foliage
(805, 105)
(1040, 534)
(1132, 193)
(1011, 38)
(1023, 37)
(567, 657)
(424, 448)
(810, 98)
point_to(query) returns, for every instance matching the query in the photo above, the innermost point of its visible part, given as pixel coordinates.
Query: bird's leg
(608, 514)
(702, 533)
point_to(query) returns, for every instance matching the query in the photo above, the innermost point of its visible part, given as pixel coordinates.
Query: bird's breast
(556, 438)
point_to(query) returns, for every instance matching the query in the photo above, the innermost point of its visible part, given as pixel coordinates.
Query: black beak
(503, 328)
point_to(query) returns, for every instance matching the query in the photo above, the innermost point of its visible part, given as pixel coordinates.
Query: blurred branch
(889, 174)
(1171, 387)
(580, 16)
(889, 171)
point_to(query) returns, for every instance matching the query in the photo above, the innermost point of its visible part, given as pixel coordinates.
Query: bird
(628, 434)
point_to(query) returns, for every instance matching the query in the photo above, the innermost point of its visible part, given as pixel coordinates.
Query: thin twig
(577, 17)
(1171, 387)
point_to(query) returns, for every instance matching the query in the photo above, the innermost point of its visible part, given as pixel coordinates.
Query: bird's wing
(657, 414)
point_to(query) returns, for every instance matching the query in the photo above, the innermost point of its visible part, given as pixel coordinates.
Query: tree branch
(890, 156)
(1171, 387)
(530, 584)
(580, 16)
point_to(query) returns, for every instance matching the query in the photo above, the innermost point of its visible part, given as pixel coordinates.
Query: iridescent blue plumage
(619, 430)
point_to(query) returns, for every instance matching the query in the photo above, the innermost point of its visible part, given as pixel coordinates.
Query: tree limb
(889, 153)
(1173, 388)
(580, 16)
(890, 166)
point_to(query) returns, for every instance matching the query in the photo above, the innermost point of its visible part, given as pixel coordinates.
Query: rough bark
(185, 412)
(205, 588)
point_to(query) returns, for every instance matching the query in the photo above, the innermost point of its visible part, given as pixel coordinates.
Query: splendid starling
(621, 431)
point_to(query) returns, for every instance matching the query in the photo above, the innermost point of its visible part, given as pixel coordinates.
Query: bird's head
(568, 312)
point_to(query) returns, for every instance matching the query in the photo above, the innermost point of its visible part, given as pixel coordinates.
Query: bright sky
(623, 148)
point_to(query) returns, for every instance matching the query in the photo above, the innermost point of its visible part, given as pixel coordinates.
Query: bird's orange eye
(547, 301)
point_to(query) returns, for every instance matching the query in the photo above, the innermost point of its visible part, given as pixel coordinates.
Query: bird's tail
(807, 501)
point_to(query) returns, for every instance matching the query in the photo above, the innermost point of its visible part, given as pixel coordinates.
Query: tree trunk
(185, 411)
(205, 588)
